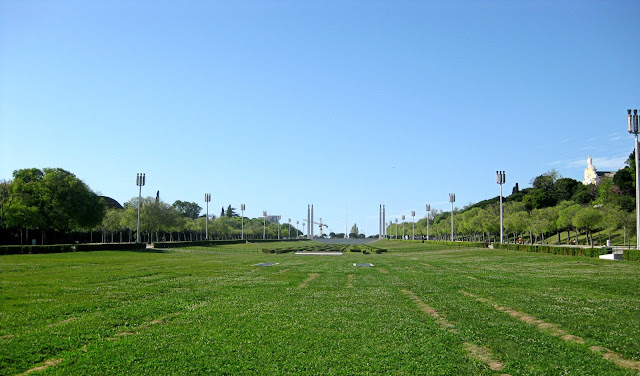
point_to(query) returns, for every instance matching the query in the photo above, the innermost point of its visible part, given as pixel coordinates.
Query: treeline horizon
(60, 207)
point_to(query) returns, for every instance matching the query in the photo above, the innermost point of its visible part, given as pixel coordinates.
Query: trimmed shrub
(631, 255)
(109, 247)
(566, 251)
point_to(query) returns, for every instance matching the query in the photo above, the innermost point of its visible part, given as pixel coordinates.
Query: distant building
(592, 176)
(273, 218)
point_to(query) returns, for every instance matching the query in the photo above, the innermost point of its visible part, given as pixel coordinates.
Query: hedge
(109, 247)
(213, 243)
(566, 251)
(631, 255)
(62, 248)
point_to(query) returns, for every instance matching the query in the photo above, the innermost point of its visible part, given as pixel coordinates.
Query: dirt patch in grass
(425, 264)
(429, 310)
(484, 355)
(284, 271)
(47, 364)
(62, 322)
(312, 276)
(616, 358)
(350, 278)
(157, 321)
(7, 336)
(383, 271)
(472, 277)
(195, 306)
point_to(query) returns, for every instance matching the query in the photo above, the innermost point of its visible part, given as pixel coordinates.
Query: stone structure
(592, 176)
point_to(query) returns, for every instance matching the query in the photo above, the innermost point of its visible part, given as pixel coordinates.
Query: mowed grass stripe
(474, 351)
(555, 330)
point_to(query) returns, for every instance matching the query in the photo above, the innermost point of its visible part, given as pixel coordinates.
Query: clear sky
(280, 104)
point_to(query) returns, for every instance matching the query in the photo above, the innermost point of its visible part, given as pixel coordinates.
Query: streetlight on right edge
(501, 178)
(632, 126)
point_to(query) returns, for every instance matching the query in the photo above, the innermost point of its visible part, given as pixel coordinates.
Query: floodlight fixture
(452, 199)
(413, 219)
(141, 179)
(207, 199)
(632, 127)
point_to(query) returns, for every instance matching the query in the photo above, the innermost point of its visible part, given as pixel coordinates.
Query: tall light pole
(297, 229)
(140, 181)
(207, 199)
(278, 217)
(632, 126)
(403, 227)
(501, 178)
(413, 219)
(264, 227)
(452, 199)
(242, 221)
(289, 220)
(428, 207)
(396, 228)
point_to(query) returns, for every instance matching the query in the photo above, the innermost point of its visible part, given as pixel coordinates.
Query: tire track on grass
(474, 351)
(556, 331)
(312, 276)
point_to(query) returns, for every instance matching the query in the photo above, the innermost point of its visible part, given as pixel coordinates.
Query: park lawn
(426, 311)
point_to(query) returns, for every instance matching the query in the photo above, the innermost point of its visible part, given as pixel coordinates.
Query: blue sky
(280, 104)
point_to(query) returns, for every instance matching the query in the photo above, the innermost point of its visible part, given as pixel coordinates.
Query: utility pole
(452, 199)
(207, 199)
(501, 178)
(140, 181)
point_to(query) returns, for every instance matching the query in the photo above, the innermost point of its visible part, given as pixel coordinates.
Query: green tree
(54, 199)
(587, 219)
(546, 180)
(538, 199)
(563, 189)
(565, 219)
(187, 209)
(354, 231)
(231, 212)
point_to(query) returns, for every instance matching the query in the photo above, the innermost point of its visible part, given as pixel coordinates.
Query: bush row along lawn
(214, 312)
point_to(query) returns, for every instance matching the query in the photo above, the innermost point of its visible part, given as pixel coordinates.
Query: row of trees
(62, 208)
(160, 221)
(553, 205)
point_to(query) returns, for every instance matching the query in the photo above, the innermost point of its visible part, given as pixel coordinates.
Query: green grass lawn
(418, 310)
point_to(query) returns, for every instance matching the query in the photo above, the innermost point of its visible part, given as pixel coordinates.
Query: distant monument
(592, 176)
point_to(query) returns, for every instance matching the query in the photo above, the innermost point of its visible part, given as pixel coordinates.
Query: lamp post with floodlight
(207, 199)
(403, 227)
(501, 178)
(242, 221)
(632, 127)
(413, 220)
(428, 207)
(452, 199)
(264, 226)
(140, 181)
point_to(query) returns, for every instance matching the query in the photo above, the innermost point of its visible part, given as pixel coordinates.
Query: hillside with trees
(555, 210)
